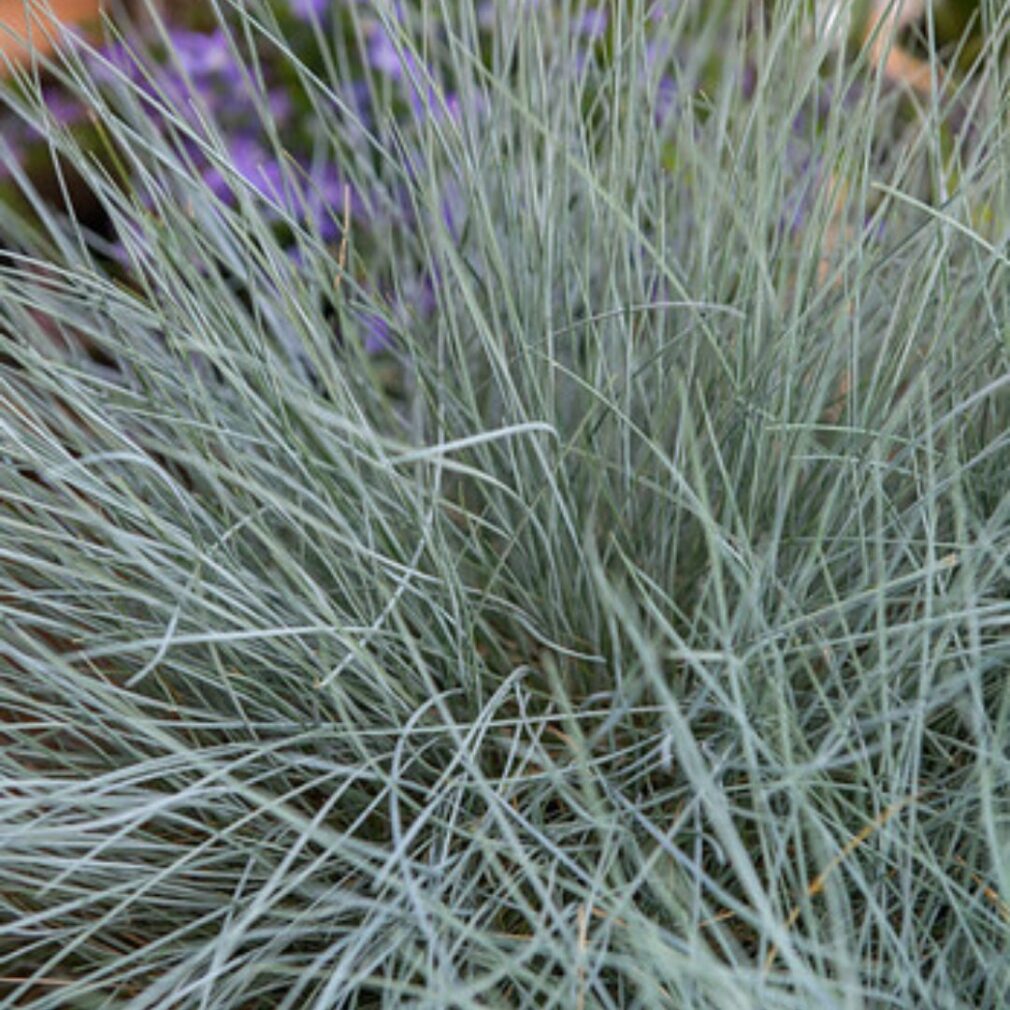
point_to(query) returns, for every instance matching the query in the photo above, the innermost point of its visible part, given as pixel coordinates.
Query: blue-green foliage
(505, 505)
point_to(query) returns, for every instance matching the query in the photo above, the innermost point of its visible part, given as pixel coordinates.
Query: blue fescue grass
(580, 579)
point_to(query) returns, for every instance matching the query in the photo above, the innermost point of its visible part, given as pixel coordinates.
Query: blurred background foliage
(952, 31)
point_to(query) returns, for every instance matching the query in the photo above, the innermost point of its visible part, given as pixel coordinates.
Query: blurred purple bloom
(356, 98)
(316, 197)
(383, 54)
(306, 10)
(661, 8)
(485, 14)
(202, 54)
(804, 181)
(593, 22)
(425, 301)
(415, 300)
(19, 135)
(129, 245)
(279, 103)
(64, 109)
(11, 144)
(874, 228)
(256, 166)
(453, 106)
(111, 62)
(828, 97)
(452, 208)
(666, 99)
(659, 51)
(748, 81)
(325, 192)
(204, 57)
(252, 164)
(378, 335)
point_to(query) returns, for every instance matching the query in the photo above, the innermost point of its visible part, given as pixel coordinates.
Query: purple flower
(203, 54)
(324, 202)
(252, 164)
(279, 103)
(111, 62)
(748, 81)
(378, 335)
(658, 53)
(593, 22)
(11, 155)
(485, 14)
(452, 209)
(425, 301)
(803, 182)
(64, 109)
(355, 96)
(316, 197)
(874, 229)
(204, 57)
(415, 300)
(666, 99)
(383, 54)
(307, 10)
(454, 106)
(661, 8)
(256, 167)
(19, 134)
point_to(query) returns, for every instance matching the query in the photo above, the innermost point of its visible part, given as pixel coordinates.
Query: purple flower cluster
(20, 137)
(308, 10)
(265, 145)
(203, 78)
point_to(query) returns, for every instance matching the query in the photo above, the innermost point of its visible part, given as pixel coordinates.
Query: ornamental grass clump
(517, 518)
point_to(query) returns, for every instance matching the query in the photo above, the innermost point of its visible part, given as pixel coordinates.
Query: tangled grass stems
(582, 642)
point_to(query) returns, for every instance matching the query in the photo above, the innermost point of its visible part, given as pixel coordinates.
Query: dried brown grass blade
(817, 884)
